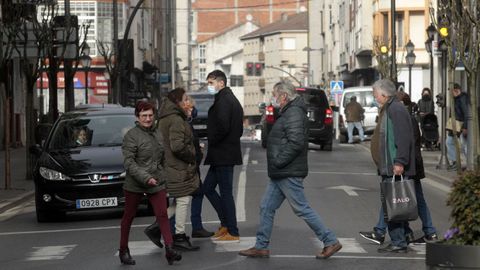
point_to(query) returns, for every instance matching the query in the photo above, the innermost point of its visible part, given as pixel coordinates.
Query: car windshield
(95, 131)
(365, 98)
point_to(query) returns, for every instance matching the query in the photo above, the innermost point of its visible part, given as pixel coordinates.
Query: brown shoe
(255, 253)
(329, 251)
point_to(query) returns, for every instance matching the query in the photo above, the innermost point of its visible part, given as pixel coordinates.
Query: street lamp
(410, 59)
(86, 61)
(431, 30)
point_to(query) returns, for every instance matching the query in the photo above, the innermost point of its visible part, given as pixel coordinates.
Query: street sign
(336, 87)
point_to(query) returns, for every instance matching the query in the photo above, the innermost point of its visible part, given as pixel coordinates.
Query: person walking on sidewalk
(461, 108)
(143, 154)
(393, 150)
(354, 114)
(287, 148)
(430, 233)
(224, 129)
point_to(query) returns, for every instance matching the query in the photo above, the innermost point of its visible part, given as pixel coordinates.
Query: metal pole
(172, 60)
(410, 80)
(86, 85)
(116, 88)
(431, 73)
(443, 162)
(7, 141)
(189, 45)
(393, 67)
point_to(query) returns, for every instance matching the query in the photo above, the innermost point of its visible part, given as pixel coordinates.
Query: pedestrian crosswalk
(351, 247)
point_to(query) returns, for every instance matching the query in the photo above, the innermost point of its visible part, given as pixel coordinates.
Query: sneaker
(426, 239)
(227, 238)
(373, 236)
(452, 167)
(202, 233)
(221, 231)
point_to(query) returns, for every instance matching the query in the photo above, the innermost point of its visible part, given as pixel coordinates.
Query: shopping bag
(399, 200)
(458, 125)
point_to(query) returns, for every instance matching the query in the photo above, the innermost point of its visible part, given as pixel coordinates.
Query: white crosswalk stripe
(141, 248)
(50, 253)
(350, 245)
(245, 242)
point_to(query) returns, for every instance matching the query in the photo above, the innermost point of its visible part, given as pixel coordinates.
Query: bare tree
(462, 18)
(106, 51)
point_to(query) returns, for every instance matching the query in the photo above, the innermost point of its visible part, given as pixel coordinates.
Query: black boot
(154, 234)
(125, 257)
(172, 255)
(182, 242)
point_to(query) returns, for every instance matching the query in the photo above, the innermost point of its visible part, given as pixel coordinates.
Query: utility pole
(116, 51)
(393, 66)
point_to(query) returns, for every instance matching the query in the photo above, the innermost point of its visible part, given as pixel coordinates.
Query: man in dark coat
(461, 109)
(224, 129)
(287, 147)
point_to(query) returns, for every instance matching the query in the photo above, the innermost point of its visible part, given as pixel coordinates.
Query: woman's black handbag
(399, 200)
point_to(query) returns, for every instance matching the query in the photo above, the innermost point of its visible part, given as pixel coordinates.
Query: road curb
(16, 201)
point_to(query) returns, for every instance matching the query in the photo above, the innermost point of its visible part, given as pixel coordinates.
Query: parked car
(80, 165)
(365, 97)
(319, 113)
(203, 102)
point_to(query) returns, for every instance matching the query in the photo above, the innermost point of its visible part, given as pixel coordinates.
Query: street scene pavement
(342, 186)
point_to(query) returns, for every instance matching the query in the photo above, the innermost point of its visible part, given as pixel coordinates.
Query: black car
(80, 165)
(203, 102)
(319, 113)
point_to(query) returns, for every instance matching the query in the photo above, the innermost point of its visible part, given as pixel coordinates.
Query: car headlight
(52, 174)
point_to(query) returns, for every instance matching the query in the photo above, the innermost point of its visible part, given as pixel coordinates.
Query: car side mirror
(35, 150)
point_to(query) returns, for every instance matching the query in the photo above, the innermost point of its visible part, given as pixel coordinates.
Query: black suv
(80, 165)
(319, 114)
(203, 102)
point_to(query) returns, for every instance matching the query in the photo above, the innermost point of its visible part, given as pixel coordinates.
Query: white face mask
(274, 102)
(211, 89)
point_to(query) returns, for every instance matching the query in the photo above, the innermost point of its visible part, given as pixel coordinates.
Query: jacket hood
(169, 108)
(296, 102)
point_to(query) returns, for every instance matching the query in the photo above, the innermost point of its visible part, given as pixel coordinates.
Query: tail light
(269, 114)
(328, 116)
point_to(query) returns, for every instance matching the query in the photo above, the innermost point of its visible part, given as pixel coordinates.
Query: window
(288, 43)
(201, 54)
(399, 29)
(236, 80)
(202, 74)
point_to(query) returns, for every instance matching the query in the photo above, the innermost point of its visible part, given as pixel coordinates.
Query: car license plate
(97, 202)
(200, 126)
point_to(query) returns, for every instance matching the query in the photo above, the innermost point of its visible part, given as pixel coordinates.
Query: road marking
(23, 207)
(50, 253)
(348, 189)
(254, 162)
(141, 248)
(334, 173)
(242, 182)
(245, 243)
(435, 184)
(420, 249)
(350, 257)
(349, 245)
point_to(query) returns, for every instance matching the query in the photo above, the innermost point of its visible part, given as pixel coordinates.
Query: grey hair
(285, 87)
(386, 87)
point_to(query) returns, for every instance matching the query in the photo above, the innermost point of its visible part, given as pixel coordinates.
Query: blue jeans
(196, 209)
(451, 150)
(423, 213)
(291, 189)
(223, 203)
(350, 126)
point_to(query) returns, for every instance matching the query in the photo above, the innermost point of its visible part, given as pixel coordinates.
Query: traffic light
(258, 69)
(440, 100)
(249, 69)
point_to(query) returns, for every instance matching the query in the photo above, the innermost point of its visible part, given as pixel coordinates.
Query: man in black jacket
(287, 147)
(461, 109)
(224, 129)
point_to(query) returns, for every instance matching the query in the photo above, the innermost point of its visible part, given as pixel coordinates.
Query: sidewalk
(20, 188)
